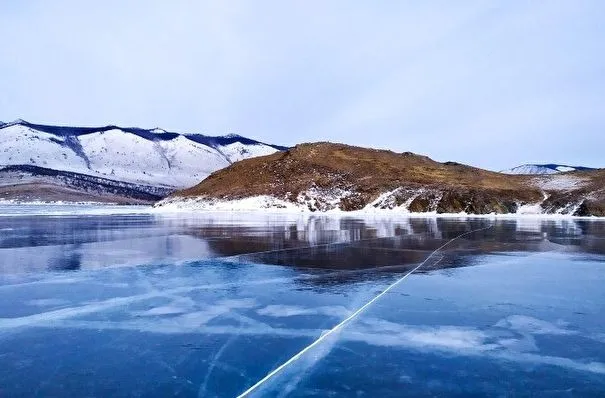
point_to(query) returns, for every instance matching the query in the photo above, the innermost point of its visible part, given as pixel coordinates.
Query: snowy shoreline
(228, 208)
(270, 205)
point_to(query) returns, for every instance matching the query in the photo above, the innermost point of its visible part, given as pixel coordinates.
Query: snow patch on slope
(563, 182)
(314, 199)
(23, 145)
(128, 157)
(237, 151)
(321, 199)
(124, 156)
(186, 156)
(252, 203)
(388, 200)
(530, 208)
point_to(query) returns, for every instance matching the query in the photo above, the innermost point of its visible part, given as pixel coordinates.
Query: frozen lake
(194, 305)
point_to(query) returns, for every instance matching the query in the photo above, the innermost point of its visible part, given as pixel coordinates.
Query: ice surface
(196, 305)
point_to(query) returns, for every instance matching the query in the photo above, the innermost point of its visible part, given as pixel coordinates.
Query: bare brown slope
(366, 173)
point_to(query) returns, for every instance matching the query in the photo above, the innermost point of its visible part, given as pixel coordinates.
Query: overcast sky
(489, 83)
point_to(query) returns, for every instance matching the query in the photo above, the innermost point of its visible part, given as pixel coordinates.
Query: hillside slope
(153, 157)
(32, 184)
(131, 157)
(326, 176)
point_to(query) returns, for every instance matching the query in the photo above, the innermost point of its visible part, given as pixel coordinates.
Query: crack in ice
(350, 317)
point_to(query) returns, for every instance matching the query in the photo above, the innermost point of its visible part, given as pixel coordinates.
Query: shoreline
(97, 208)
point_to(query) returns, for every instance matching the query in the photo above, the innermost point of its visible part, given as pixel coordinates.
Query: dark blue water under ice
(206, 305)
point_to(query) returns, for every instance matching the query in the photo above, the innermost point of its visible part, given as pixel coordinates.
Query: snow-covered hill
(152, 157)
(541, 169)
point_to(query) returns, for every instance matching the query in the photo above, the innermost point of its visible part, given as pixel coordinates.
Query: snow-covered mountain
(152, 157)
(541, 169)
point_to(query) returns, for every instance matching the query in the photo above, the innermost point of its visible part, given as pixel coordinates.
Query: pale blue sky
(489, 83)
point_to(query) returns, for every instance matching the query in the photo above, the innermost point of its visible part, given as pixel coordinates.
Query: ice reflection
(73, 243)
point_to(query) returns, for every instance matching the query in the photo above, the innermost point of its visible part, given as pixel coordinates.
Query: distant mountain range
(541, 169)
(147, 161)
(327, 177)
(134, 165)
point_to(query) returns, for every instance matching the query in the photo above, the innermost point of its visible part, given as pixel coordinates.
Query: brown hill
(322, 176)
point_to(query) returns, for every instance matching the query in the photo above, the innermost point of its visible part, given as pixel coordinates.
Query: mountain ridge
(146, 157)
(163, 135)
